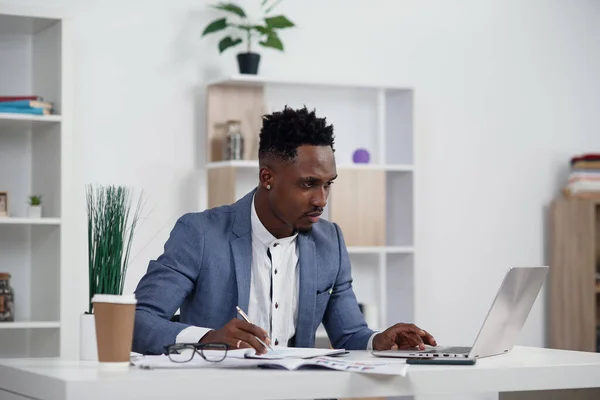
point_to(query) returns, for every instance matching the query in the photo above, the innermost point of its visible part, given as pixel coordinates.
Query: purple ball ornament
(361, 156)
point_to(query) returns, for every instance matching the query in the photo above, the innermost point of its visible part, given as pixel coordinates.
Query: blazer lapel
(307, 292)
(241, 248)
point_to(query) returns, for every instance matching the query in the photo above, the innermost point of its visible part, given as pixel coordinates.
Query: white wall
(506, 91)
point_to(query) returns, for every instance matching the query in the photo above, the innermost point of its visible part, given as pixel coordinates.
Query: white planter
(34, 211)
(88, 349)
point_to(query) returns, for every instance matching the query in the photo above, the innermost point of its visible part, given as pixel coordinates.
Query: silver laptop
(503, 323)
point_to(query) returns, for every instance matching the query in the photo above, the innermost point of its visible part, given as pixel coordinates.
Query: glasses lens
(180, 353)
(214, 352)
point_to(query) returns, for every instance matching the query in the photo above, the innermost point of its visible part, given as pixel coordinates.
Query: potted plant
(35, 206)
(111, 226)
(240, 27)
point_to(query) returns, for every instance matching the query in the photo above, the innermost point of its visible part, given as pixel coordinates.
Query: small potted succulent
(238, 28)
(35, 206)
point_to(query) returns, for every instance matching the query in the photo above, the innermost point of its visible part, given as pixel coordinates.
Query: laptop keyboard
(449, 350)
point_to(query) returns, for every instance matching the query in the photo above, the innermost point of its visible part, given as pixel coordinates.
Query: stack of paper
(285, 358)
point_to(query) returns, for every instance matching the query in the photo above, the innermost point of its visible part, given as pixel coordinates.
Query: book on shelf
(13, 98)
(25, 110)
(26, 104)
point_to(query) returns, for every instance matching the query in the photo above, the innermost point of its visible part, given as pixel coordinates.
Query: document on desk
(382, 367)
(284, 353)
(393, 367)
(164, 362)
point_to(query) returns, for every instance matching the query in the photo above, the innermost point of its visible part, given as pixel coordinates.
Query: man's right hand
(238, 334)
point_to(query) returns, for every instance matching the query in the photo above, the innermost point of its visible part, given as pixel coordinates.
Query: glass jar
(233, 146)
(7, 303)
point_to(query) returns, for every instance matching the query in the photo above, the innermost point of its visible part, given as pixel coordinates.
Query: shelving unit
(574, 290)
(35, 158)
(372, 203)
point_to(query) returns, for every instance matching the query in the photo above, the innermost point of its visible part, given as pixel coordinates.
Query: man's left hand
(403, 336)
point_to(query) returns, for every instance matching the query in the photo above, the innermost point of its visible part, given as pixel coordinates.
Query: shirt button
(276, 305)
(276, 342)
(275, 271)
(276, 244)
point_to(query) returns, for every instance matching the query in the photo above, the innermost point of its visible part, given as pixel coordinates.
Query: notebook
(284, 353)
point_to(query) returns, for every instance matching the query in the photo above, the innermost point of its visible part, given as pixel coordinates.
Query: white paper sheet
(365, 367)
(283, 353)
(392, 367)
(163, 361)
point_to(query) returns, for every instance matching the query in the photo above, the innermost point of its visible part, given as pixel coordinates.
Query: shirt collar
(262, 233)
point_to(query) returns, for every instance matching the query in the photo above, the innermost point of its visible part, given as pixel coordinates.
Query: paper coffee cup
(115, 316)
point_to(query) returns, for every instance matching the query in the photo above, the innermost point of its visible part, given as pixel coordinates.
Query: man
(269, 253)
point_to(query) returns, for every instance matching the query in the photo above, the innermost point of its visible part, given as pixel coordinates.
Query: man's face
(301, 188)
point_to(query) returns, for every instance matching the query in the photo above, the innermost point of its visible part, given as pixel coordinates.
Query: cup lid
(114, 298)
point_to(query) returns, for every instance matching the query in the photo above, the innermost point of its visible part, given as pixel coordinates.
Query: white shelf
(30, 325)
(380, 250)
(321, 333)
(399, 167)
(377, 167)
(235, 163)
(258, 80)
(254, 164)
(29, 221)
(7, 119)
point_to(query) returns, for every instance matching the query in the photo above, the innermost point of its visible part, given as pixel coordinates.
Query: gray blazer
(205, 271)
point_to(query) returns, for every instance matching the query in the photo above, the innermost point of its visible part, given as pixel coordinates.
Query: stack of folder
(34, 105)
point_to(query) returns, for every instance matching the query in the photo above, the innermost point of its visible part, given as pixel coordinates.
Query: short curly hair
(284, 131)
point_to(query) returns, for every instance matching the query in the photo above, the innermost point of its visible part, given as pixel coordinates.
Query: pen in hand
(243, 314)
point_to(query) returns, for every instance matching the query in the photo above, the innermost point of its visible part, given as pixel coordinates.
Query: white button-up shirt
(277, 276)
(277, 316)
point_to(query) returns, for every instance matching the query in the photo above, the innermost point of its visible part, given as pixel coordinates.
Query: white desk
(522, 370)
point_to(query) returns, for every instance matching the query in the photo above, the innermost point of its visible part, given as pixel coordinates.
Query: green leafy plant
(35, 200)
(110, 234)
(266, 32)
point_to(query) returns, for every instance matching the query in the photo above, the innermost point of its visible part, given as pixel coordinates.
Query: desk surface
(521, 370)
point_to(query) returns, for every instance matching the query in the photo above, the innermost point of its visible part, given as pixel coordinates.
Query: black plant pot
(248, 63)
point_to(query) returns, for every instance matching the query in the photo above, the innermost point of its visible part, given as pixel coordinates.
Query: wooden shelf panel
(573, 316)
(368, 227)
(224, 103)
